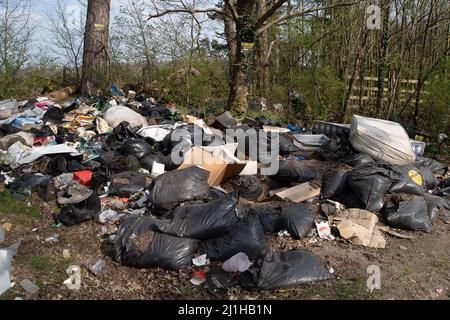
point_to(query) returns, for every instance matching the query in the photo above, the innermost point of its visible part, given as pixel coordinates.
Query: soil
(410, 269)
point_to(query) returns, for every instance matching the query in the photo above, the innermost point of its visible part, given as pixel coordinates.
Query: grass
(440, 264)
(40, 263)
(352, 289)
(18, 211)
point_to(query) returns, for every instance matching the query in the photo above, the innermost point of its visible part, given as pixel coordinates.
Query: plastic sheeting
(381, 140)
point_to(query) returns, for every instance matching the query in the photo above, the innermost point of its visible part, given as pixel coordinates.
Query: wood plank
(299, 193)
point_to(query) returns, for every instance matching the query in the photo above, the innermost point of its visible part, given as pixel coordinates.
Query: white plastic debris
(109, 216)
(324, 230)
(6, 256)
(158, 169)
(29, 286)
(157, 133)
(237, 263)
(8, 178)
(200, 261)
(98, 267)
(52, 239)
(284, 233)
(198, 278)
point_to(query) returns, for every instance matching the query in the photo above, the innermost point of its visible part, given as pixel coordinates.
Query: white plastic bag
(237, 263)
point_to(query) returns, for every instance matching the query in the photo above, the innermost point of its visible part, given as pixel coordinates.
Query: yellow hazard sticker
(416, 177)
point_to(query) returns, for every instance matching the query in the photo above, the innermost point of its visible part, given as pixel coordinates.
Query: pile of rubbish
(173, 191)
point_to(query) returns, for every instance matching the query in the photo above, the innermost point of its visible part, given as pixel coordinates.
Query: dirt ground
(410, 269)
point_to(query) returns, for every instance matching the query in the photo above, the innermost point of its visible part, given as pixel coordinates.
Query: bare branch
(301, 13)
(186, 10)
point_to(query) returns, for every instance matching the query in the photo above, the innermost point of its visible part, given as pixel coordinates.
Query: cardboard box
(219, 161)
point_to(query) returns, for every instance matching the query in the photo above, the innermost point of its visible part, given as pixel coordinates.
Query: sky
(42, 8)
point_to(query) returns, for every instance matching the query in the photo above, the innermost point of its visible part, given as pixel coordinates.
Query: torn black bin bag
(444, 183)
(128, 183)
(429, 180)
(284, 270)
(370, 182)
(411, 182)
(172, 188)
(7, 129)
(147, 161)
(44, 132)
(225, 121)
(79, 212)
(444, 192)
(54, 115)
(287, 145)
(246, 236)
(297, 220)
(26, 183)
(407, 214)
(336, 149)
(334, 184)
(137, 148)
(250, 187)
(218, 280)
(64, 135)
(124, 132)
(139, 245)
(46, 190)
(204, 221)
(356, 159)
(268, 216)
(62, 163)
(435, 204)
(291, 171)
(435, 166)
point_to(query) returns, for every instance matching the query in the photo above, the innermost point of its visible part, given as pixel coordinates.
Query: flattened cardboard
(299, 193)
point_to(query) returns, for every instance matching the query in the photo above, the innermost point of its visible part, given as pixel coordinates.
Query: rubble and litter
(173, 191)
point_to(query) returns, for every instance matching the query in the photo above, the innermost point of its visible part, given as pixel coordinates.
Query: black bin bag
(284, 270)
(205, 221)
(246, 236)
(412, 181)
(174, 187)
(410, 214)
(297, 220)
(370, 182)
(79, 212)
(435, 204)
(128, 183)
(334, 184)
(293, 172)
(268, 216)
(139, 245)
(138, 148)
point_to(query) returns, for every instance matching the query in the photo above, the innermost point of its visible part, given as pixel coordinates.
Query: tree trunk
(95, 53)
(238, 96)
(262, 70)
(382, 61)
